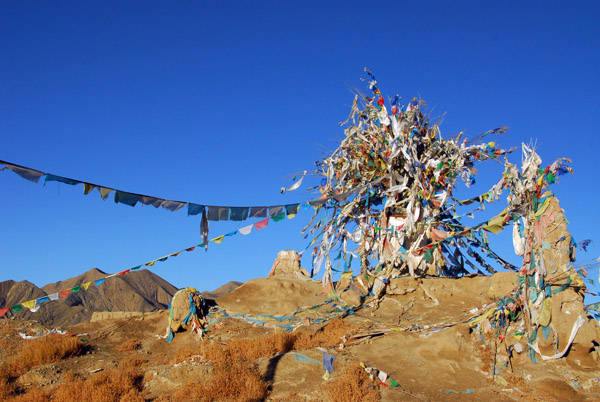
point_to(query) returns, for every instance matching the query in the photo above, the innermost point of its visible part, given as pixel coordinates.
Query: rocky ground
(417, 335)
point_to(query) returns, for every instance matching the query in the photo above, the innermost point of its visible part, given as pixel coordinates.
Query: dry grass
(352, 385)
(130, 345)
(291, 397)
(48, 349)
(33, 353)
(267, 346)
(327, 337)
(236, 377)
(234, 382)
(123, 384)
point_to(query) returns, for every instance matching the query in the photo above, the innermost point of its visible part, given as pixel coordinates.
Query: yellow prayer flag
(85, 286)
(482, 317)
(29, 304)
(149, 264)
(219, 239)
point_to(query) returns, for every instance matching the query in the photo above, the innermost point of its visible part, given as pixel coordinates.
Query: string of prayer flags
(215, 212)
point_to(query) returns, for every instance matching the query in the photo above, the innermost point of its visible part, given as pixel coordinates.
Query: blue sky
(220, 103)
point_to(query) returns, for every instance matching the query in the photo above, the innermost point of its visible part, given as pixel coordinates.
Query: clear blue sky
(220, 102)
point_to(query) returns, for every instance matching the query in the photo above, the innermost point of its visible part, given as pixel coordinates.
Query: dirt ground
(418, 335)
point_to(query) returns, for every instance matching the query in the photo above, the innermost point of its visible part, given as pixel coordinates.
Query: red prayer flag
(64, 293)
(124, 272)
(380, 101)
(3, 311)
(261, 224)
(190, 249)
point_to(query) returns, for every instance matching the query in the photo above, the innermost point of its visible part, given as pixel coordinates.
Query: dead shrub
(132, 362)
(130, 345)
(184, 354)
(352, 385)
(47, 349)
(33, 353)
(237, 381)
(258, 348)
(291, 397)
(327, 337)
(123, 384)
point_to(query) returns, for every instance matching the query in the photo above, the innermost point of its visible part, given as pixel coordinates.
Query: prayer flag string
(34, 305)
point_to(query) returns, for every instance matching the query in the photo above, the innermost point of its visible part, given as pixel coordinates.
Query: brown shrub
(327, 337)
(235, 382)
(33, 353)
(123, 384)
(291, 397)
(130, 345)
(352, 385)
(184, 354)
(258, 348)
(48, 349)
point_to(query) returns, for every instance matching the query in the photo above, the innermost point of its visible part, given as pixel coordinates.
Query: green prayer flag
(279, 217)
(75, 289)
(138, 267)
(428, 255)
(393, 383)
(16, 308)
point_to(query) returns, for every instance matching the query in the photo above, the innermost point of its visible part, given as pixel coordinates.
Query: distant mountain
(223, 290)
(141, 291)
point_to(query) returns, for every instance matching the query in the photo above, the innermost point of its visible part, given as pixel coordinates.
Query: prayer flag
(275, 211)
(194, 209)
(124, 272)
(3, 311)
(218, 213)
(155, 202)
(190, 249)
(328, 362)
(239, 213)
(51, 177)
(258, 212)
(99, 282)
(87, 188)
(138, 267)
(75, 289)
(26, 173)
(123, 197)
(292, 210)
(28, 304)
(16, 308)
(261, 224)
(279, 217)
(86, 285)
(173, 205)
(53, 296)
(218, 240)
(104, 192)
(246, 230)
(64, 293)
